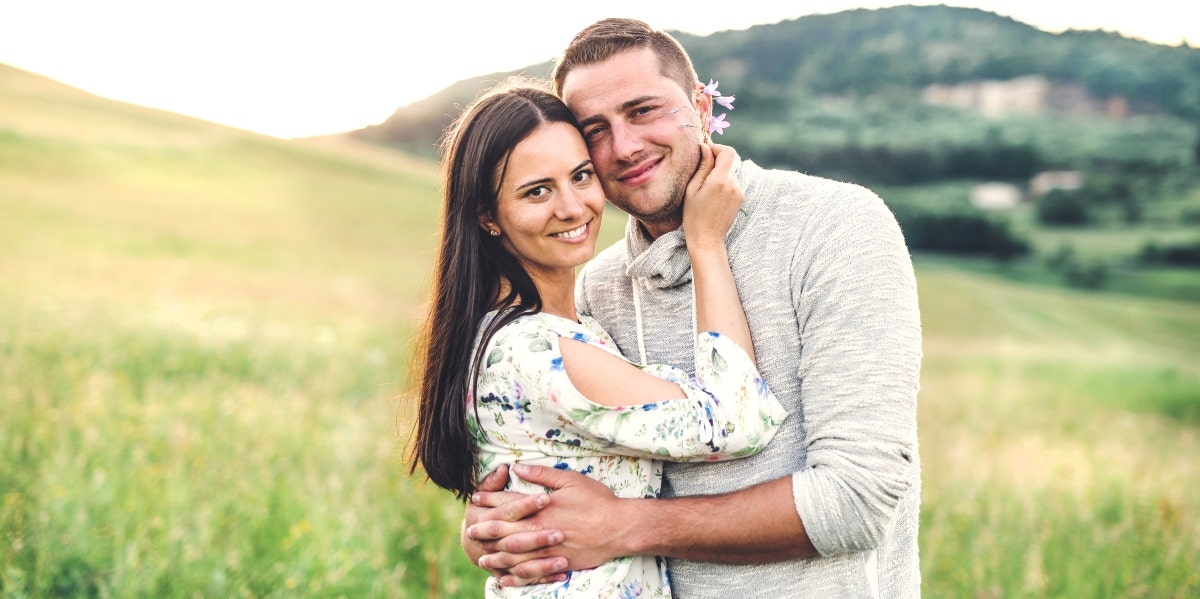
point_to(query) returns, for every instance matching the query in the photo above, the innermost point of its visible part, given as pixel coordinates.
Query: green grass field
(203, 340)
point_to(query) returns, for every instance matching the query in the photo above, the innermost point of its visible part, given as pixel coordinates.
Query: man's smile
(641, 173)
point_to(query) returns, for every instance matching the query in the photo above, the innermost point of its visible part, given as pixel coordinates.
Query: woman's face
(550, 204)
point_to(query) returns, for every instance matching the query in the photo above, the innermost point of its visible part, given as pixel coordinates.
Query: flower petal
(726, 101)
(717, 124)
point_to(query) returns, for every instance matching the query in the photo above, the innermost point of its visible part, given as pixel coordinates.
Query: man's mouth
(640, 174)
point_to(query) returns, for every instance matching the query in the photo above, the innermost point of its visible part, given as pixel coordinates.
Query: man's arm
(862, 331)
(510, 510)
(758, 524)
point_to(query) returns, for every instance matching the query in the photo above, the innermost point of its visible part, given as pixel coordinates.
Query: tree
(1196, 148)
(1062, 207)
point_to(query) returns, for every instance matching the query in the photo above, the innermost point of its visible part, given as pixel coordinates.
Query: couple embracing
(721, 404)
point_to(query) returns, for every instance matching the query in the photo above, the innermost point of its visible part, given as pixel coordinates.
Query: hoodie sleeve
(855, 293)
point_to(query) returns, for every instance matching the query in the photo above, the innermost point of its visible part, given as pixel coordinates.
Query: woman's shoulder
(543, 330)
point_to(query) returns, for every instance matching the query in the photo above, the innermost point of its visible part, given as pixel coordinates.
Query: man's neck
(657, 229)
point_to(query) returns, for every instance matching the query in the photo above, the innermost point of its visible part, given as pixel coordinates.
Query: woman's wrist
(701, 244)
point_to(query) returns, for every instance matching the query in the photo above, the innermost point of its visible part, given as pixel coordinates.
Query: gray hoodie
(828, 288)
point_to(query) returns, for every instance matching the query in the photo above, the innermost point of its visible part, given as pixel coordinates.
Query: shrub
(1185, 255)
(1062, 207)
(960, 232)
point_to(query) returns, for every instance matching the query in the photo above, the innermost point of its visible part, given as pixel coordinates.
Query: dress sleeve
(727, 410)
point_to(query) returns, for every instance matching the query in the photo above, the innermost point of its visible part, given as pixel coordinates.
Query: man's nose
(627, 141)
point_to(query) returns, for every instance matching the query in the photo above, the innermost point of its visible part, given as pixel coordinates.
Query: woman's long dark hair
(472, 272)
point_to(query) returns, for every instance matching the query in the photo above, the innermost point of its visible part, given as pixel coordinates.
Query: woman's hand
(712, 199)
(710, 205)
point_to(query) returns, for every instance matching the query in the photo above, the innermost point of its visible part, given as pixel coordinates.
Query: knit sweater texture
(829, 291)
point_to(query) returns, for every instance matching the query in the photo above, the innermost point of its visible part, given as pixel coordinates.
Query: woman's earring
(494, 232)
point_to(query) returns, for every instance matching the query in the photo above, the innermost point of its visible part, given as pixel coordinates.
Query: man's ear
(704, 103)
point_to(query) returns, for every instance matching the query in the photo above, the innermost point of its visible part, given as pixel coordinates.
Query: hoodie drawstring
(637, 317)
(641, 331)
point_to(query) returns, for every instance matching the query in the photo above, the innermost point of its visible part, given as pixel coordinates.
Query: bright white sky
(293, 68)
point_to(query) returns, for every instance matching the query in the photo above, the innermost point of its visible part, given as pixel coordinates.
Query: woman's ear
(487, 224)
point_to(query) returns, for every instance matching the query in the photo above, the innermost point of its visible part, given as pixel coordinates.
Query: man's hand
(581, 525)
(494, 521)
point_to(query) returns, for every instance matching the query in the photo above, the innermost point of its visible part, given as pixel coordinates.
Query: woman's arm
(709, 209)
(711, 204)
(731, 412)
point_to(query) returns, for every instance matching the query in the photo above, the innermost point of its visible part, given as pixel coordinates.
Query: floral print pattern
(525, 409)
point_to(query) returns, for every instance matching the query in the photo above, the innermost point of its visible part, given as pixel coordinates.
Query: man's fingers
(540, 568)
(530, 569)
(497, 530)
(495, 480)
(551, 478)
(528, 542)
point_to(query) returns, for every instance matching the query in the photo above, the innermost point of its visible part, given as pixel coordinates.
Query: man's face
(643, 133)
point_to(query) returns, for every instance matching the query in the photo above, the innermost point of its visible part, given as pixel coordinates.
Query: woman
(546, 385)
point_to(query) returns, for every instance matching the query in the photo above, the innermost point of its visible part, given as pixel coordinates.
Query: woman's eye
(538, 191)
(583, 176)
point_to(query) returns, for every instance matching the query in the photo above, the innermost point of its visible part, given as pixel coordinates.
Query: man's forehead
(614, 83)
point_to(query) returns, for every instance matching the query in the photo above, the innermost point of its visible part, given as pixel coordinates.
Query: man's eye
(593, 133)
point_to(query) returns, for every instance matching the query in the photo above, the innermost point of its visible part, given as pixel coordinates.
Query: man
(830, 508)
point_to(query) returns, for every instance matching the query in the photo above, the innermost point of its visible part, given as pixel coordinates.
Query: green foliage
(1063, 207)
(959, 232)
(907, 166)
(203, 338)
(1196, 148)
(1185, 255)
(869, 51)
(878, 61)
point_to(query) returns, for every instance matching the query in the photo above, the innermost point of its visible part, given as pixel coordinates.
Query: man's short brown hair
(608, 37)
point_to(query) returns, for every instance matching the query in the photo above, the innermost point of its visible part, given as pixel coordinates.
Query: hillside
(891, 55)
(145, 203)
(927, 105)
(203, 342)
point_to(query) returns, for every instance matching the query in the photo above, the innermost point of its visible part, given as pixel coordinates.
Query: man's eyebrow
(622, 108)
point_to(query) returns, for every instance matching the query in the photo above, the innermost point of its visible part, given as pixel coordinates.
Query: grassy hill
(203, 335)
(857, 77)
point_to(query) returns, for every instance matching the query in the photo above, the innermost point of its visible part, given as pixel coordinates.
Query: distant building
(1032, 94)
(995, 196)
(1048, 180)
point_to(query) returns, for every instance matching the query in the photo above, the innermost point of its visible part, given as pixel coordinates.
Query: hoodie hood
(664, 262)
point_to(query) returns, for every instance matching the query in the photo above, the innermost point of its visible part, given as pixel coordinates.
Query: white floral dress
(525, 409)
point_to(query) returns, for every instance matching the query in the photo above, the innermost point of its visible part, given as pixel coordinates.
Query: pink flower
(717, 124)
